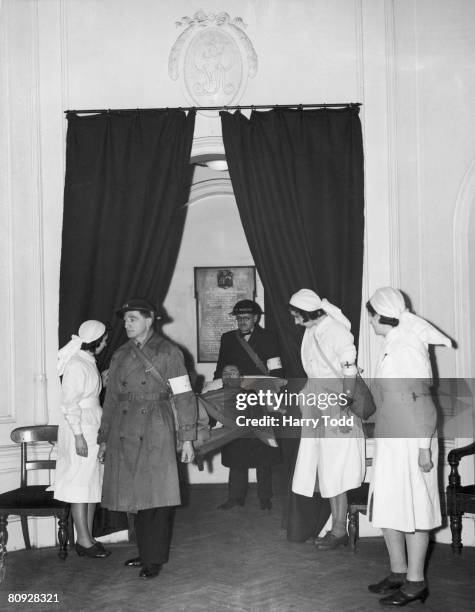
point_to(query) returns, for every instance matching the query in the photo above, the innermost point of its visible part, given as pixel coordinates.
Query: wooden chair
(33, 500)
(460, 499)
(358, 498)
(357, 502)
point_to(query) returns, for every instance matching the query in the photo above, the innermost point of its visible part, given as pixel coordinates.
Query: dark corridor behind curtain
(298, 180)
(124, 197)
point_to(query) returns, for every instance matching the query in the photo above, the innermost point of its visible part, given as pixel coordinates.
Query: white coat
(79, 479)
(401, 496)
(338, 458)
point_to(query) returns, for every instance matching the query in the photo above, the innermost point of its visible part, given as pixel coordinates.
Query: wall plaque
(217, 289)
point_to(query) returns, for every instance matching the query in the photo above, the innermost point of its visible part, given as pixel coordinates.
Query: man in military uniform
(254, 351)
(148, 390)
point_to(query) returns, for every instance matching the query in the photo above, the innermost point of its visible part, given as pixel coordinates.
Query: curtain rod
(218, 108)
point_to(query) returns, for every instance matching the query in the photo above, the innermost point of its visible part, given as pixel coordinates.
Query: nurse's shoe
(96, 551)
(330, 541)
(400, 598)
(387, 585)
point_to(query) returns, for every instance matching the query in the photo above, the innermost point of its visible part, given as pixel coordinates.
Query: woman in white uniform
(334, 453)
(404, 497)
(78, 471)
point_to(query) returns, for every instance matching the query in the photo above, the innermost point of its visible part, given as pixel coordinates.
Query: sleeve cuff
(349, 370)
(424, 443)
(187, 433)
(76, 428)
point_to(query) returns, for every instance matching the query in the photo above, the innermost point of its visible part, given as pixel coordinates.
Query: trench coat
(337, 458)
(138, 426)
(401, 496)
(249, 452)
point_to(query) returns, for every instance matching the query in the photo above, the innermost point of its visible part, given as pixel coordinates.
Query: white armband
(180, 384)
(274, 363)
(349, 369)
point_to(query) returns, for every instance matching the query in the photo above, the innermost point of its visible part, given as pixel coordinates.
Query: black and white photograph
(237, 295)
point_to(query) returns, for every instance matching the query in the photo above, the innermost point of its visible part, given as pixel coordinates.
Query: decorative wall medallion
(214, 58)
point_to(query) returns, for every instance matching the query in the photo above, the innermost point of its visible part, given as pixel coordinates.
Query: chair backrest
(35, 433)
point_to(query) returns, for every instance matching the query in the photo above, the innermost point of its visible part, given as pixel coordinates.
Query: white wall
(435, 182)
(408, 61)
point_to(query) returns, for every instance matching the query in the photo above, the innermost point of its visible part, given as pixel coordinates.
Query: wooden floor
(237, 560)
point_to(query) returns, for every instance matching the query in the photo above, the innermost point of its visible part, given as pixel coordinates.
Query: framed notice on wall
(217, 289)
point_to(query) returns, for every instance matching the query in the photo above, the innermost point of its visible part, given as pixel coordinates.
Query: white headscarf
(309, 301)
(389, 302)
(88, 332)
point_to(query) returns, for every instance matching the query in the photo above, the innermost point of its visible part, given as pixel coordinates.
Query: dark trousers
(153, 529)
(238, 479)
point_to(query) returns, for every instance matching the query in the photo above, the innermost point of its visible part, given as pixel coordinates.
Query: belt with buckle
(144, 397)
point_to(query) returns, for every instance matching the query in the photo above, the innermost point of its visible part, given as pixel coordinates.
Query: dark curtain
(124, 213)
(125, 191)
(298, 180)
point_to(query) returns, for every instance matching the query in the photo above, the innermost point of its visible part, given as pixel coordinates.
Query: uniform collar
(147, 338)
(87, 356)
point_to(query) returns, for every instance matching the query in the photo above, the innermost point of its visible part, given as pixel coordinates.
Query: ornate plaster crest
(214, 58)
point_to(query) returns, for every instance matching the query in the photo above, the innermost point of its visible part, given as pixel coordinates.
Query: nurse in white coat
(78, 478)
(335, 453)
(404, 497)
